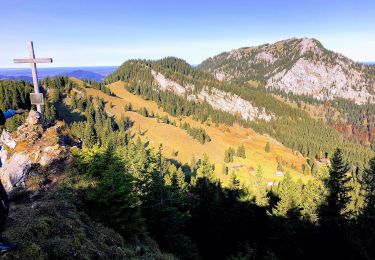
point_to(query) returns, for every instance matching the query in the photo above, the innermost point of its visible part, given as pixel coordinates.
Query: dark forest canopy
(13, 95)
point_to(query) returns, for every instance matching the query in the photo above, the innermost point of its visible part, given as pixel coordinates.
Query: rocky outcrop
(166, 84)
(218, 99)
(321, 81)
(28, 148)
(265, 56)
(233, 104)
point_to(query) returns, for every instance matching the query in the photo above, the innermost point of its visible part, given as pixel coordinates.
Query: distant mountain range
(90, 73)
(84, 74)
(301, 66)
(25, 78)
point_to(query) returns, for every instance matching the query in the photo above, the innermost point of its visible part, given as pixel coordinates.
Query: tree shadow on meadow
(66, 113)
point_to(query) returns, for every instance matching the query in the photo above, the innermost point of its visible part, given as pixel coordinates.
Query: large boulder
(14, 170)
(29, 148)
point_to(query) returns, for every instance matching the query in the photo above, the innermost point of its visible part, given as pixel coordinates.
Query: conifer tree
(144, 112)
(260, 188)
(365, 235)
(193, 163)
(128, 107)
(289, 193)
(73, 102)
(241, 151)
(90, 137)
(225, 170)
(227, 157)
(50, 113)
(267, 148)
(280, 167)
(334, 212)
(114, 201)
(314, 168)
(313, 193)
(205, 169)
(234, 182)
(369, 183)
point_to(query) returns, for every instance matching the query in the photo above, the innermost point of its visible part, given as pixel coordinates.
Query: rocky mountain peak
(298, 65)
(310, 44)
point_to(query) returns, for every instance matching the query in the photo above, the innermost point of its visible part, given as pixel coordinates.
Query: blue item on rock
(6, 247)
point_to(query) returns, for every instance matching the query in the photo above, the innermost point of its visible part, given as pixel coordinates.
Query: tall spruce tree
(205, 169)
(289, 193)
(90, 137)
(228, 156)
(369, 183)
(267, 148)
(364, 233)
(334, 212)
(225, 170)
(313, 195)
(260, 188)
(241, 151)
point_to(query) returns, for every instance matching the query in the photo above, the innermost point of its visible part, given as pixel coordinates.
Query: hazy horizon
(108, 66)
(65, 67)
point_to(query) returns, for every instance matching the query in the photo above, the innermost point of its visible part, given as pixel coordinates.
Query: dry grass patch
(179, 145)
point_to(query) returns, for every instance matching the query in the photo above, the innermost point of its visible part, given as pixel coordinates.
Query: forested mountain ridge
(176, 86)
(84, 75)
(300, 66)
(176, 76)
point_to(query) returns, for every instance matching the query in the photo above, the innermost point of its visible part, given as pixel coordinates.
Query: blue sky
(94, 33)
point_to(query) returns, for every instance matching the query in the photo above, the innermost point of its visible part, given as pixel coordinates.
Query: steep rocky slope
(218, 99)
(301, 66)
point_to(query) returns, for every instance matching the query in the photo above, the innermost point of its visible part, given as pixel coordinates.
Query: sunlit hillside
(179, 145)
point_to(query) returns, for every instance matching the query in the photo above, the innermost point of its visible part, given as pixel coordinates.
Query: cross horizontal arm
(37, 60)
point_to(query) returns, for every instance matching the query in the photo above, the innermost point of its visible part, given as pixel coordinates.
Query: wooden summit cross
(33, 61)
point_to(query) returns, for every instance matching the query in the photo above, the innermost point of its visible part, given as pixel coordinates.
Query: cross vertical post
(33, 61)
(34, 73)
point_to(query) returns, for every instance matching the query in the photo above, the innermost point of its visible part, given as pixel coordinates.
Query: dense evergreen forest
(292, 126)
(361, 118)
(14, 94)
(124, 184)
